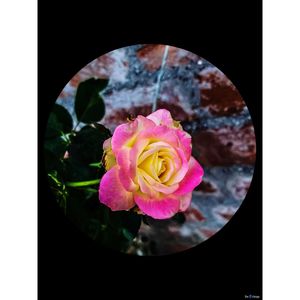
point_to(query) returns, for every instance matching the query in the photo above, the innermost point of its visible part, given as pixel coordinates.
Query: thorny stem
(161, 72)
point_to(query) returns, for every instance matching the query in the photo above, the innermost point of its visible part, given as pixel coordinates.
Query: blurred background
(208, 106)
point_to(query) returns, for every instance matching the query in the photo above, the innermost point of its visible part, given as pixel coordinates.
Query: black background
(228, 265)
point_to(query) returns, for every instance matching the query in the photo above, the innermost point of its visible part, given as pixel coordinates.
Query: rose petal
(127, 147)
(161, 134)
(135, 153)
(161, 117)
(192, 178)
(107, 144)
(157, 186)
(155, 147)
(127, 160)
(161, 208)
(169, 170)
(185, 201)
(181, 172)
(112, 192)
(125, 134)
(185, 141)
(149, 165)
(146, 188)
(126, 177)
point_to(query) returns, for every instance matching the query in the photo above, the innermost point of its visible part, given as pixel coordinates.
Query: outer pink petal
(192, 178)
(112, 193)
(125, 134)
(161, 134)
(135, 153)
(185, 201)
(157, 208)
(161, 117)
(127, 177)
(185, 141)
(127, 160)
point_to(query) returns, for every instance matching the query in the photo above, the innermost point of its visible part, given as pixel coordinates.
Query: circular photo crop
(149, 150)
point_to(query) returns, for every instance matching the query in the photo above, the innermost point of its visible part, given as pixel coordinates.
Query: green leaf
(60, 121)
(89, 105)
(87, 145)
(126, 220)
(82, 183)
(52, 162)
(54, 151)
(57, 138)
(128, 235)
(58, 188)
(56, 146)
(78, 171)
(114, 230)
(96, 165)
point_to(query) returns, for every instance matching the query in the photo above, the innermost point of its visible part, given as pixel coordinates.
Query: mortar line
(161, 71)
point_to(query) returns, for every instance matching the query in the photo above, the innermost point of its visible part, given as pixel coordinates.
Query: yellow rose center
(156, 161)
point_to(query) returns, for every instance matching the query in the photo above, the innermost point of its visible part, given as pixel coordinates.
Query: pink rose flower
(149, 165)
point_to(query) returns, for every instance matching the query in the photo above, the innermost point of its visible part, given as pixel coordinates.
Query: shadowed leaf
(89, 105)
(60, 121)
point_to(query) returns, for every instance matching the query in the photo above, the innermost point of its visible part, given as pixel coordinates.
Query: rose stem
(82, 183)
(159, 76)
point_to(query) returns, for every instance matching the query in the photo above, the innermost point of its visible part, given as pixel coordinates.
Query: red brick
(218, 94)
(151, 56)
(225, 146)
(206, 187)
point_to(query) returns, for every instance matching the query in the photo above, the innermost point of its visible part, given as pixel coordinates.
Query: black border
(228, 265)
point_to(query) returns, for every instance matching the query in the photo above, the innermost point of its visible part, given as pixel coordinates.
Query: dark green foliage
(57, 146)
(86, 147)
(57, 138)
(73, 157)
(60, 121)
(58, 188)
(89, 105)
(115, 230)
